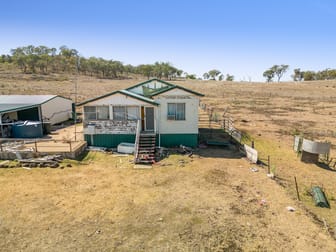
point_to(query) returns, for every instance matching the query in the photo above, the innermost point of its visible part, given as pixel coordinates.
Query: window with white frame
(103, 113)
(96, 112)
(123, 113)
(119, 113)
(176, 111)
(133, 113)
(90, 113)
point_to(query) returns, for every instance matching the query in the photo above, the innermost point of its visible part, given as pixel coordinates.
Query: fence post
(70, 146)
(297, 189)
(269, 165)
(252, 144)
(1, 147)
(35, 145)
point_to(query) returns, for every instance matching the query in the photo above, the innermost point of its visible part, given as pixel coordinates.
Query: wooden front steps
(146, 149)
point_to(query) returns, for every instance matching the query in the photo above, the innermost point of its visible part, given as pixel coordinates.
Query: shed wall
(57, 110)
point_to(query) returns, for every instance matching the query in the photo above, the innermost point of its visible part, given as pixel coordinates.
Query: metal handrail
(137, 138)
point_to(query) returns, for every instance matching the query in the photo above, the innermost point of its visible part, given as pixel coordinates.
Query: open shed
(51, 109)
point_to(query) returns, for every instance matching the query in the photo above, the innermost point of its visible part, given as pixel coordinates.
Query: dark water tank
(27, 129)
(46, 126)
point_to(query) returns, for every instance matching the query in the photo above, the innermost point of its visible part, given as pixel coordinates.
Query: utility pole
(75, 109)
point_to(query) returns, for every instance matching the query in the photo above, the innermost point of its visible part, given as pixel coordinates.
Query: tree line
(215, 74)
(279, 70)
(45, 60)
(327, 74)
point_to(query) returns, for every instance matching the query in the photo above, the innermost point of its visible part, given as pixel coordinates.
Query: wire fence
(224, 122)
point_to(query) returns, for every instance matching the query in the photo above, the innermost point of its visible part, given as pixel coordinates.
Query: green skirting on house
(166, 140)
(108, 140)
(171, 140)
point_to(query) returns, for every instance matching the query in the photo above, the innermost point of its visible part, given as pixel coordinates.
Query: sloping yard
(212, 201)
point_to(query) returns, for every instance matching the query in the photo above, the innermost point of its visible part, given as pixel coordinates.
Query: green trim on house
(96, 98)
(171, 86)
(163, 90)
(124, 92)
(171, 140)
(148, 81)
(178, 87)
(143, 98)
(167, 140)
(108, 140)
(139, 97)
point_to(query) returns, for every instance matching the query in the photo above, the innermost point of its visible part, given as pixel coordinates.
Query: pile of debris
(6, 164)
(16, 146)
(185, 150)
(52, 161)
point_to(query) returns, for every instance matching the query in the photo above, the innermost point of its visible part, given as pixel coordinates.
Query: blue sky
(240, 37)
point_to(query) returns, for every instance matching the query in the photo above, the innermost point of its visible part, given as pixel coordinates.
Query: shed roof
(27, 99)
(15, 107)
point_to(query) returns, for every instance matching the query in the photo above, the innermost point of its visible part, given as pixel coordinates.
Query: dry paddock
(212, 201)
(103, 204)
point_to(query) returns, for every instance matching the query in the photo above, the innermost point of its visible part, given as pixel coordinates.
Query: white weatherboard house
(154, 107)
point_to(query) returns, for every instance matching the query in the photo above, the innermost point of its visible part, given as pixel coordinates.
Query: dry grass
(183, 204)
(210, 202)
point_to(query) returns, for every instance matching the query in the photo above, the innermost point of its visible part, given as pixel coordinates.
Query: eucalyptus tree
(214, 73)
(269, 75)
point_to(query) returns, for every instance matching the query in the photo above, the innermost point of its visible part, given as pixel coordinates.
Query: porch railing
(137, 138)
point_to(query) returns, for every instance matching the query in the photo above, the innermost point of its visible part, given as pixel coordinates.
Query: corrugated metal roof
(124, 92)
(170, 86)
(25, 99)
(15, 107)
(137, 96)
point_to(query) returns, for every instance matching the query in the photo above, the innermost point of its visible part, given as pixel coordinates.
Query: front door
(149, 118)
(142, 118)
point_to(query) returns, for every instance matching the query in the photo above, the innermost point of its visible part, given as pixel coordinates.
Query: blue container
(27, 129)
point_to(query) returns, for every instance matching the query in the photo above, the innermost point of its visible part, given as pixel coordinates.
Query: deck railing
(137, 138)
(38, 145)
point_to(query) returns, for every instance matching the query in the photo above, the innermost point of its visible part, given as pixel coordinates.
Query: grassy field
(211, 201)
